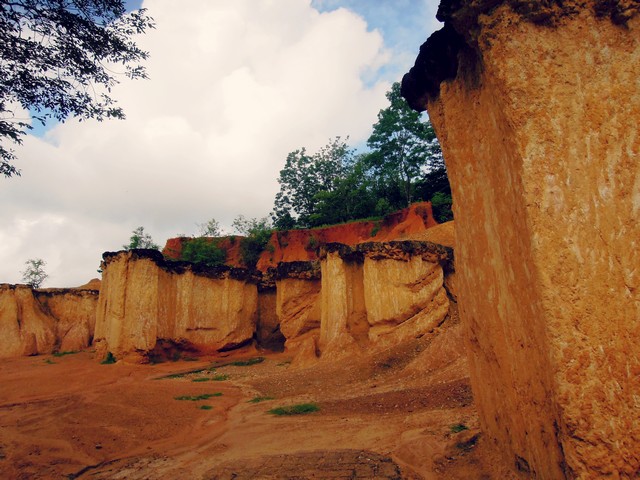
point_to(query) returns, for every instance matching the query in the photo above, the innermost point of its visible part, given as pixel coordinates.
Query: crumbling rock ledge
(540, 133)
(455, 50)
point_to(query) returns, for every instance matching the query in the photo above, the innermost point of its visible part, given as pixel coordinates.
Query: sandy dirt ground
(401, 414)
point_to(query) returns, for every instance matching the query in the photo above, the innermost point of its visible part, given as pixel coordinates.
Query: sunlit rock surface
(46, 320)
(145, 299)
(537, 108)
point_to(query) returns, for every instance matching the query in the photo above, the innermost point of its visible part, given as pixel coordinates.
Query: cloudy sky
(234, 86)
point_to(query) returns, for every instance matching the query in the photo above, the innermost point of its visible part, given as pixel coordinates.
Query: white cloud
(234, 87)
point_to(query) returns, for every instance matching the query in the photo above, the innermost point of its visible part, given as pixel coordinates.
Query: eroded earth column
(537, 108)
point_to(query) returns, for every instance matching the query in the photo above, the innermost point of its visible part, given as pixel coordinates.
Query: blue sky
(234, 86)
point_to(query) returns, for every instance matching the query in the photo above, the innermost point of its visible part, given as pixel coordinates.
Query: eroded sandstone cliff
(45, 321)
(540, 100)
(145, 299)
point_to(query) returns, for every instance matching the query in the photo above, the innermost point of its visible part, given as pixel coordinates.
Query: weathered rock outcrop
(298, 306)
(380, 294)
(372, 295)
(145, 299)
(537, 108)
(45, 321)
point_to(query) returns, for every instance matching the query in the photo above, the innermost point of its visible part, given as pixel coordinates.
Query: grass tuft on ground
(299, 409)
(195, 398)
(260, 399)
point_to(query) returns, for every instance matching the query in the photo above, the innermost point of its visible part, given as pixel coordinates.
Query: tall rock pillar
(537, 107)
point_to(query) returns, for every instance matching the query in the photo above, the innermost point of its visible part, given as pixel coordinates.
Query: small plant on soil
(220, 378)
(109, 359)
(205, 407)
(260, 399)
(458, 427)
(195, 398)
(201, 379)
(300, 409)
(62, 354)
(48, 361)
(248, 363)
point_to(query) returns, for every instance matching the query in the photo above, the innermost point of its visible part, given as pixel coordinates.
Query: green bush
(109, 359)
(195, 398)
(260, 399)
(441, 206)
(203, 250)
(247, 363)
(300, 409)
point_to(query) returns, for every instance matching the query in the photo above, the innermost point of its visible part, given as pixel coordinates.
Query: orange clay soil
(405, 413)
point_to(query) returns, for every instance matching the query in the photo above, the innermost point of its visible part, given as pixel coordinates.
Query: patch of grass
(248, 363)
(299, 409)
(195, 398)
(286, 363)
(458, 427)
(220, 378)
(205, 407)
(260, 399)
(62, 354)
(201, 379)
(109, 359)
(48, 361)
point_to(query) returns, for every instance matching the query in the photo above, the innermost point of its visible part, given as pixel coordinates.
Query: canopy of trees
(404, 164)
(57, 60)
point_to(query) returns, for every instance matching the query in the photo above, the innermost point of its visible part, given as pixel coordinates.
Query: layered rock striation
(537, 107)
(145, 299)
(46, 320)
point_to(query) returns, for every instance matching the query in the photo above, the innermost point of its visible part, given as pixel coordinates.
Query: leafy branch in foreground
(57, 59)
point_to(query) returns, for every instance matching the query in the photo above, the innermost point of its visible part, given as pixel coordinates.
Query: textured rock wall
(145, 299)
(74, 311)
(298, 306)
(380, 294)
(44, 321)
(539, 128)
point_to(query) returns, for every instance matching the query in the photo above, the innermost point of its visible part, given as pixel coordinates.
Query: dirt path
(377, 418)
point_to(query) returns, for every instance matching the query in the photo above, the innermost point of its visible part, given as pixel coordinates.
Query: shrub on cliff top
(257, 233)
(203, 250)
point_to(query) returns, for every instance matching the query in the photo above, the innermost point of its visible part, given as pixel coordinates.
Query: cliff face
(372, 295)
(301, 245)
(44, 321)
(145, 299)
(543, 105)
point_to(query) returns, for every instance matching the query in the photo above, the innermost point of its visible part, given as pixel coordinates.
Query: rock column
(537, 108)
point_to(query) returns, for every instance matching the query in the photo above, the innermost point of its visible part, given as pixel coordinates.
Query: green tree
(203, 250)
(351, 197)
(211, 228)
(404, 148)
(303, 177)
(140, 239)
(256, 234)
(57, 60)
(34, 274)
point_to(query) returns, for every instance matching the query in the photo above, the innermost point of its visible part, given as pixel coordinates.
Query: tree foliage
(211, 228)
(58, 59)
(256, 234)
(203, 250)
(404, 163)
(34, 274)
(140, 239)
(404, 148)
(303, 177)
